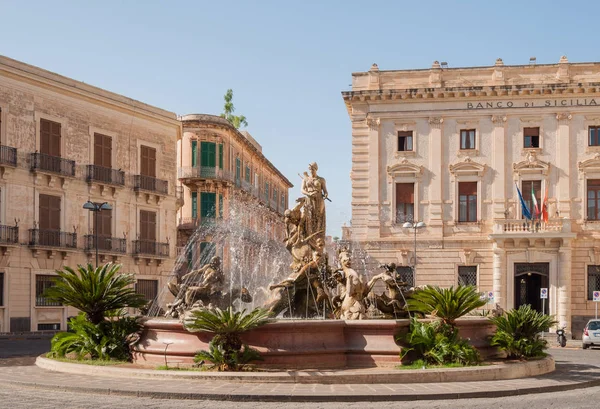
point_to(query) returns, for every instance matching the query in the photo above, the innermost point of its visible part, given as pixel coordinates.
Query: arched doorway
(530, 278)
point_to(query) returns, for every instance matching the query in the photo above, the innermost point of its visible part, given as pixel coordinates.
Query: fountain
(321, 309)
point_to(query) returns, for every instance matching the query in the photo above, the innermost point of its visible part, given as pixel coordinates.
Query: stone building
(64, 143)
(220, 167)
(449, 146)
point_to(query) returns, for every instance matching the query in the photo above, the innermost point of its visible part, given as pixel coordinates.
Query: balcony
(101, 174)
(40, 162)
(106, 244)
(205, 172)
(150, 248)
(521, 228)
(8, 156)
(9, 235)
(150, 184)
(52, 240)
(249, 188)
(192, 223)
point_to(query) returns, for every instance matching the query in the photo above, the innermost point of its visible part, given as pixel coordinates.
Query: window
(594, 139)
(405, 141)
(531, 137)
(405, 202)
(102, 150)
(593, 281)
(147, 161)
(467, 139)
(147, 243)
(49, 137)
(275, 193)
(103, 223)
(527, 186)
(208, 155)
(220, 156)
(49, 327)
(194, 154)
(194, 205)
(238, 169)
(247, 175)
(220, 206)
(467, 201)
(1, 289)
(593, 199)
(267, 191)
(49, 220)
(282, 200)
(406, 275)
(467, 275)
(147, 288)
(42, 283)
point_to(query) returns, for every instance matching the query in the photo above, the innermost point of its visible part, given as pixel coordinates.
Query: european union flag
(526, 212)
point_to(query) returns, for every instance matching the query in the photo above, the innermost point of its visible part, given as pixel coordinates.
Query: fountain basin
(301, 344)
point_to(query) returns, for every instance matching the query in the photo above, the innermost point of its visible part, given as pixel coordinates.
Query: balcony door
(50, 138)
(208, 204)
(148, 161)
(103, 226)
(49, 217)
(208, 156)
(147, 231)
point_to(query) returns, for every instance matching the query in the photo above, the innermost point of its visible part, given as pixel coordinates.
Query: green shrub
(226, 350)
(438, 343)
(518, 332)
(447, 304)
(107, 340)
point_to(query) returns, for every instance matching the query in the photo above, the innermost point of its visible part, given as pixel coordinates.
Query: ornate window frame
(469, 123)
(531, 122)
(588, 169)
(467, 171)
(404, 172)
(590, 120)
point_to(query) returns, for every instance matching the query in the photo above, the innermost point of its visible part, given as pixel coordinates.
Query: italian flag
(535, 206)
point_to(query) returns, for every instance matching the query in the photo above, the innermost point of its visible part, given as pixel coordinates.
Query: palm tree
(447, 304)
(226, 346)
(95, 291)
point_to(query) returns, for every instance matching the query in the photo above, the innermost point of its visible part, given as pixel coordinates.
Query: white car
(591, 334)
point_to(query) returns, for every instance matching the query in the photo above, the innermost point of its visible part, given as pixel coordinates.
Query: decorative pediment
(405, 169)
(531, 165)
(591, 165)
(467, 167)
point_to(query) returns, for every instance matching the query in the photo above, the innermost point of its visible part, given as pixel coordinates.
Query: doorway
(530, 278)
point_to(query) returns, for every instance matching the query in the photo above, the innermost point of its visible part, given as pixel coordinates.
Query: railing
(52, 164)
(105, 175)
(105, 244)
(8, 155)
(519, 226)
(150, 247)
(249, 187)
(205, 172)
(52, 238)
(141, 182)
(9, 234)
(193, 222)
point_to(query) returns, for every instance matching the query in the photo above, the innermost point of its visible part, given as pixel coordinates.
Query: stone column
(499, 277)
(563, 313)
(375, 173)
(436, 168)
(498, 164)
(563, 163)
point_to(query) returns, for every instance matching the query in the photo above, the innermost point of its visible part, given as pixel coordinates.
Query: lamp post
(96, 208)
(414, 226)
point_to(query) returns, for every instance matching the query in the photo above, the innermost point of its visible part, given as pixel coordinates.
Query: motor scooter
(560, 337)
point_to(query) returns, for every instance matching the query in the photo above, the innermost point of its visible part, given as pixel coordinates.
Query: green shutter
(267, 191)
(238, 169)
(207, 154)
(190, 258)
(248, 174)
(220, 156)
(194, 153)
(220, 206)
(194, 204)
(207, 205)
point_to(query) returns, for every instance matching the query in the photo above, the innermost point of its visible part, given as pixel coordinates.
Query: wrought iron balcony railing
(150, 184)
(52, 164)
(105, 244)
(105, 175)
(205, 172)
(150, 248)
(52, 238)
(8, 155)
(9, 234)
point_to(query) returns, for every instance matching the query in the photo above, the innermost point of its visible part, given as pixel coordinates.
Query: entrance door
(530, 278)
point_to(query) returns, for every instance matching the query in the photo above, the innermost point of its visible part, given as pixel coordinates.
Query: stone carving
(315, 191)
(202, 288)
(373, 123)
(436, 121)
(564, 116)
(499, 119)
(392, 302)
(354, 290)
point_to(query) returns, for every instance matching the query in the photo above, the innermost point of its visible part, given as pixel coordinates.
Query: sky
(286, 61)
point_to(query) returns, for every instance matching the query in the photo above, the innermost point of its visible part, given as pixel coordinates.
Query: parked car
(591, 334)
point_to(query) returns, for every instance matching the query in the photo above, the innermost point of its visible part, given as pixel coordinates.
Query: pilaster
(374, 172)
(499, 165)
(435, 166)
(563, 315)
(563, 163)
(499, 276)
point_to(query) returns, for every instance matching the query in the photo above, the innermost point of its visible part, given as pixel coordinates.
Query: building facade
(220, 167)
(449, 147)
(64, 143)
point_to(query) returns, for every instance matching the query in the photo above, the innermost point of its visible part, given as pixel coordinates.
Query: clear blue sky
(287, 61)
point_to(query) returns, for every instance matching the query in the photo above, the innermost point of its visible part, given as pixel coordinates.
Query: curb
(498, 372)
(379, 397)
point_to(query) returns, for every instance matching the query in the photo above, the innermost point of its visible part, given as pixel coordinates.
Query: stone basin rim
(499, 371)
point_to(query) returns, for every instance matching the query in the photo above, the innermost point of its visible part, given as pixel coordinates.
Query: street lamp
(96, 208)
(414, 226)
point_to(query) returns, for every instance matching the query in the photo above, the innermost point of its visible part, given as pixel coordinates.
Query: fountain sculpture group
(314, 288)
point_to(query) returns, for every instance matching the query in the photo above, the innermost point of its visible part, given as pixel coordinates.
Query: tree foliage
(95, 291)
(228, 109)
(226, 350)
(518, 332)
(447, 304)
